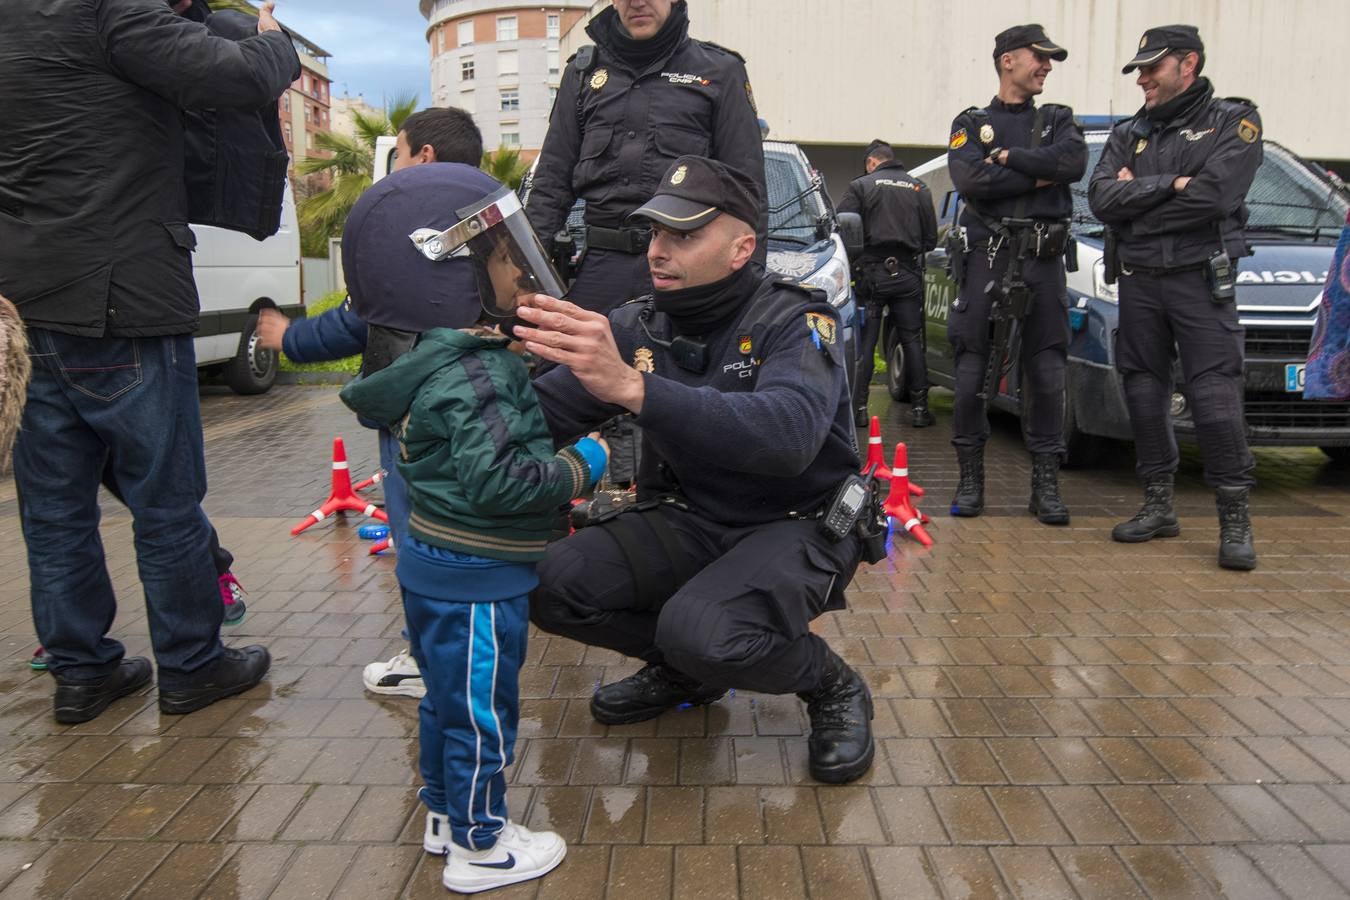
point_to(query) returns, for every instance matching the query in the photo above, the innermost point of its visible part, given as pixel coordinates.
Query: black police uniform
(617, 124)
(899, 226)
(1164, 239)
(750, 449)
(993, 192)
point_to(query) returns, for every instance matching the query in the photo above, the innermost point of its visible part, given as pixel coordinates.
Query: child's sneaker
(436, 837)
(400, 677)
(519, 855)
(232, 595)
(40, 660)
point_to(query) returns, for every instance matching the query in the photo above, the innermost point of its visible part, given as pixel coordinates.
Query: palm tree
(350, 165)
(505, 165)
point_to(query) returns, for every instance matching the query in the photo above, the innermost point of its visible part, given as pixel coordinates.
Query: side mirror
(850, 232)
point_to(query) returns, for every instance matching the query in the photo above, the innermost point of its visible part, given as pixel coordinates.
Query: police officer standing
(643, 95)
(1013, 163)
(747, 524)
(899, 226)
(1171, 185)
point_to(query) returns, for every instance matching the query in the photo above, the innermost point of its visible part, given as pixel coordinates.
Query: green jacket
(474, 447)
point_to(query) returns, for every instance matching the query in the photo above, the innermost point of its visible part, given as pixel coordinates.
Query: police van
(1296, 214)
(808, 241)
(236, 276)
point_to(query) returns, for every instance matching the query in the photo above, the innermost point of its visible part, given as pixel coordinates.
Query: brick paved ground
(1057, 715)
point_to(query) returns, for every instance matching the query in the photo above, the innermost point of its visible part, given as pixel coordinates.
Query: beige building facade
(834, 74)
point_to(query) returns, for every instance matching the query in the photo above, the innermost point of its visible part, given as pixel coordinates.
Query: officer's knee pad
(560, 573)
(1215, 399)
(708, 653)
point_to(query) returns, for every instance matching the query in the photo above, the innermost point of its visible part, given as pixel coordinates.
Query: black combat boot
(1235, 530)
(840, 747)
(919, 416)
(969, 499)
(1046, 504)
(1155, 518)
(646, 694)
(860, 417)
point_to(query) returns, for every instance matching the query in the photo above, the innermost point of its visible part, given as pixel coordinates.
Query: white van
(236, 276)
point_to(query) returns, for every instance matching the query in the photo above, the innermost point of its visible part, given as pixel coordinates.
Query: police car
(1296, 216)
(807, 240)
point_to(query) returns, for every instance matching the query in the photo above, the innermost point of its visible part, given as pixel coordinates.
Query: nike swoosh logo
(508, 863)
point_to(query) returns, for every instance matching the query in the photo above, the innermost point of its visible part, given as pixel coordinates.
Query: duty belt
(624, 240)
(1128, 269)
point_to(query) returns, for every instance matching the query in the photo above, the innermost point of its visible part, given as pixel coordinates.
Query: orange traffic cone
(380, 546)
(898, 505)
(342, 498)
(373, 480)
(876, 459)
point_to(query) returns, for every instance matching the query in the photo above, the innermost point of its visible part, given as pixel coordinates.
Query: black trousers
(734, 612)
(1045, 343)
(1160, 314)
(607, 278)
(902, 301)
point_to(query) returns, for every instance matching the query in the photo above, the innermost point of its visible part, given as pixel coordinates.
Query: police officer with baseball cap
(738, 382)
(1013, 163)
(1171, 185)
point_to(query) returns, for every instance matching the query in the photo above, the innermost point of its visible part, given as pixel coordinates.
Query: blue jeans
(468, 619)
(128, 406)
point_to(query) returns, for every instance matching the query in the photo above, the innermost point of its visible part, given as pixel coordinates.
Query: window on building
(552, 95)
(506, 28)
(286, 101)
(508, 63)
(286, 127)
(553, 62)
(465, 33)
(554, 27)
(309, 114)
(510, 101)
(466, 70)
(304, 81)
(510, 138)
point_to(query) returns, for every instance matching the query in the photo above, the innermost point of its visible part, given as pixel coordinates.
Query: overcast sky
(379, 49)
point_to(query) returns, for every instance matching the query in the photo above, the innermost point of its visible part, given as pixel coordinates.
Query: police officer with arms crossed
(738, 382)
(626, 107)
(899, 226)
(1013, 163)
(1170, 185)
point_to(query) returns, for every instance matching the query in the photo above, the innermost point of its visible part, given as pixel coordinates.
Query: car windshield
(786, 179)
(1286, 197)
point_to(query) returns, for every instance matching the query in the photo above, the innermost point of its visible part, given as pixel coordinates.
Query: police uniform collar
(1180, 106)
(1025, 105)
(889, 164)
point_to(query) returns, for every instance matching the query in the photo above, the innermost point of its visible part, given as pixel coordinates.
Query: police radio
(848, 504)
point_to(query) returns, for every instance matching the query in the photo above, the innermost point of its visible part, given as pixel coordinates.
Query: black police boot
(646, 694)
(860, 417)
(1235, 530)
(969, 499)
(1155, 518)
(919, 416)
(1046, 504)
(840, 747)
(235, 672)
(80, 701)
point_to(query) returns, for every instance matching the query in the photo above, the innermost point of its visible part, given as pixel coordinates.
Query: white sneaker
(436, 837)
(400, 676)
(519, 855)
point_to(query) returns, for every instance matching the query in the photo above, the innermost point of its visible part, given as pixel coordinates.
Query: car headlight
(832, 278)
(1107, 292)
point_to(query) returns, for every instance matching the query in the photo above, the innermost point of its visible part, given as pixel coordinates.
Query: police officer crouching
(1013, 163)
(899, 226)
(751, 518)
(1171, 185)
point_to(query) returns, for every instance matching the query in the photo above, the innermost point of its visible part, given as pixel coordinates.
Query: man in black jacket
(95, 253)
(644, 94)
(899, 227)
(1013, 163)
(1171, 185)
(714, 577)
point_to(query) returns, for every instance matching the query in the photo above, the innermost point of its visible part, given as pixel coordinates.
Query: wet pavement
(1057, 715)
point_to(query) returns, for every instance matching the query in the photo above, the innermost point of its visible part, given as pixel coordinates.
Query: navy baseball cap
(1158, 42)
(1032, 36)
(390, 282)
(695, 190)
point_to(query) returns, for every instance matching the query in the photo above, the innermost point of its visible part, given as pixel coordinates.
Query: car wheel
(254, 369)
(895, 367)
(1339, 455)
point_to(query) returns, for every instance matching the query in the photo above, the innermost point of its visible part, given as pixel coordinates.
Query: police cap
(1032, 36)
(695, 190)
(1158, 42)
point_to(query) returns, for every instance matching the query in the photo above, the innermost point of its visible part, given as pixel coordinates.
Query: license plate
(1293, 378)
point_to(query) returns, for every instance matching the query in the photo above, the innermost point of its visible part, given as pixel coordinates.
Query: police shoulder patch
(822, 327)
(958, 139)
(1248, 131)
